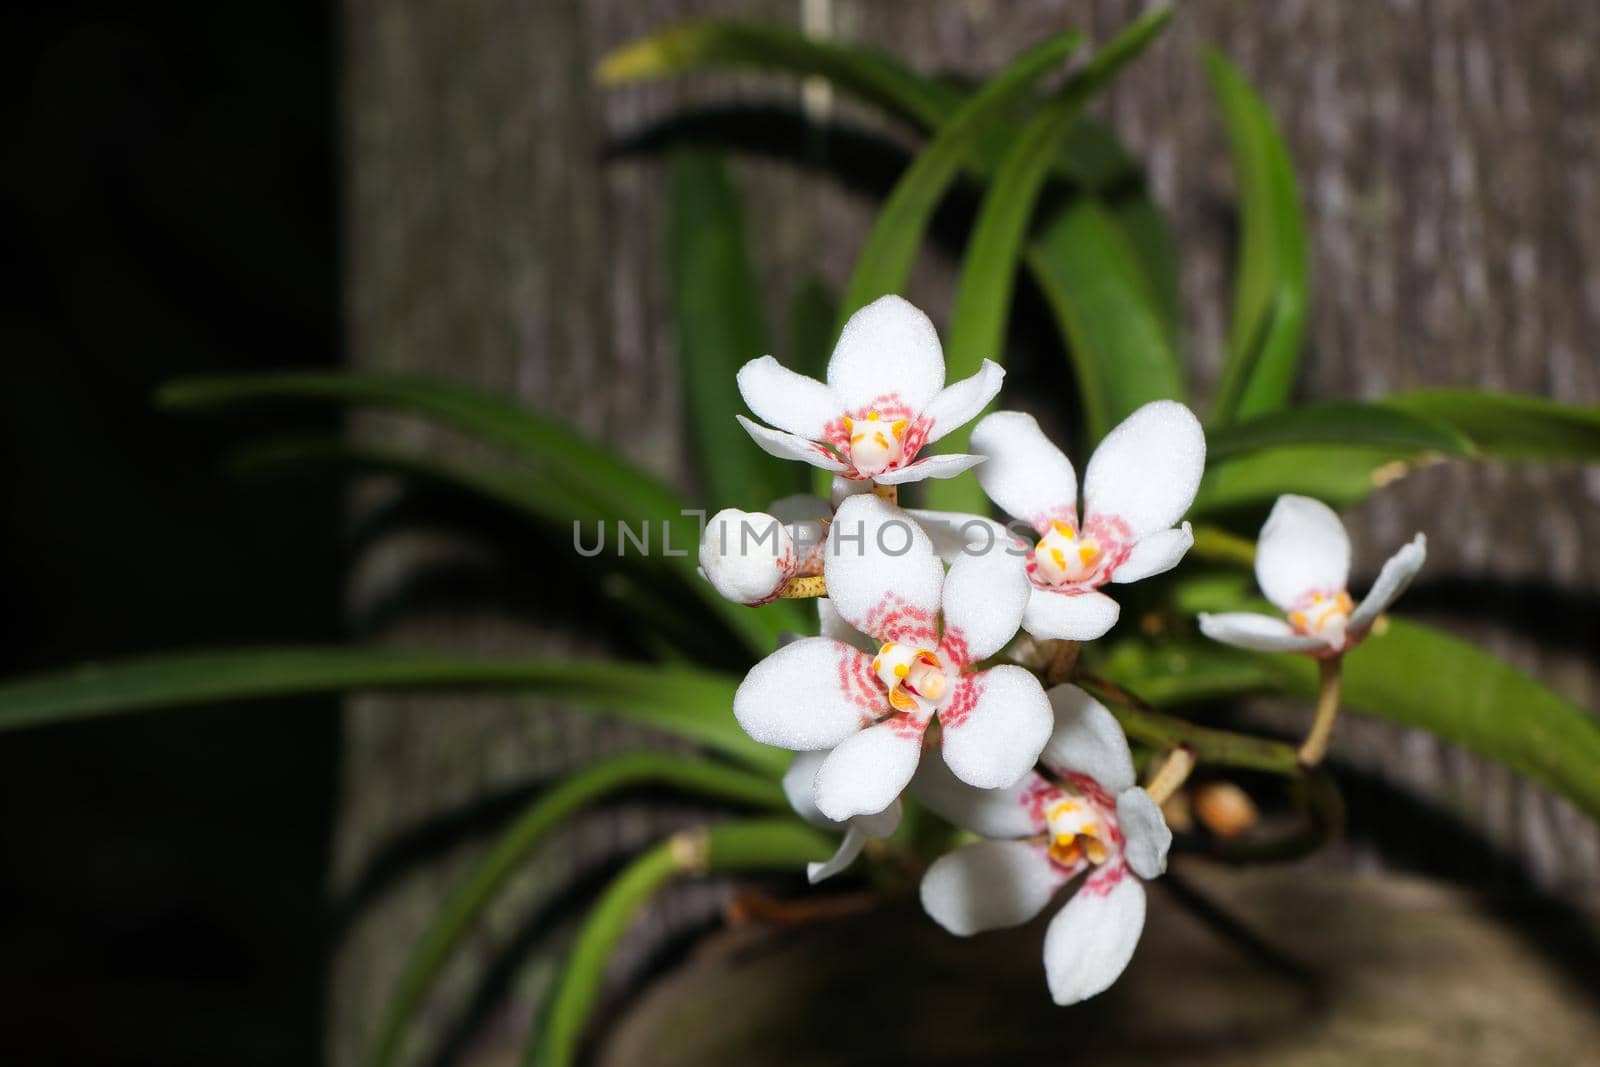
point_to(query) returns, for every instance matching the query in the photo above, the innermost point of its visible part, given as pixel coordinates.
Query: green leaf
(1120, 346)
(988, 271)
(1510, 426)
(513, 848)
(1338, 475)
(886, 261)
(693, 704)
(710, 44)
(1410, 674)
(599, 484)
(1270, 286)
(753, 845)
(1364, 425)
(716, 306)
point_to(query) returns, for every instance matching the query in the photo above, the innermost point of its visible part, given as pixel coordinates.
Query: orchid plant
(955, 701)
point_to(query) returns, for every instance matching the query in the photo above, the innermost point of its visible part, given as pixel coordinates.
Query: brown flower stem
(891, 493)
(1316, 743)
(1063, 662)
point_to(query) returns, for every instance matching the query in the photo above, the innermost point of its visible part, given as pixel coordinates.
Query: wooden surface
(1450, 161)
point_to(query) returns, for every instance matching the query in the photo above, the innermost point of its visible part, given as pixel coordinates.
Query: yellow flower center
(910, 673)
(875, 444)
(1324, 616)
(1062, 557)
(1075, 833)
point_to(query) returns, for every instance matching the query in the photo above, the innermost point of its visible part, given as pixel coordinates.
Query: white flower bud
(747, 556)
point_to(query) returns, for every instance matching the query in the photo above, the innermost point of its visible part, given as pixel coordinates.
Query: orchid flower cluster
(899, 693)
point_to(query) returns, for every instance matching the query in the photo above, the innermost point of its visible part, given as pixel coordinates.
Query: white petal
(869, 771)
(1154, 554)
(831, 625)
(1091, 940)
(861, 829)
(985, 594)
(883, 575)
(845, 488)
(843, 856)
(799, 782)
(958, 404)
(789, 401)
(986, 812)
(996, 726)
(808, 695)
(1145, 835)
(954, 533)
(1147, 469)
(1026, 476)
(746, 555)
(1392, 581)
(887, 349)
(929, 467)
(788, 446)
(1259, 633)
(989, 885)
(1069, 616)
(1302, 549)
(1087, 740)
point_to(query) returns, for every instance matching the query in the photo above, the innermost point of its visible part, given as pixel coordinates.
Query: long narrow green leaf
(711, 44)
(716, 306)
(1339, 475)
(1270, 282)
(1364, 425)
(754, 845)
(601, 485)
(1508, 425)
(513, 848)
(885, 262)
(690, 703)
(812, 313)
(1410, 674)
(988, 271)
(1121, 350)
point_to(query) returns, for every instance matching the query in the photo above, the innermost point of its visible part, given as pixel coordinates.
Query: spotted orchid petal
(986, 812)
(747, 555)
(1092, 938)
(1069, 616)
(811, 694)
(791, 402)
(958, 404)
(995, 726)
(929, 467)
(788, 446)
(1392, 580)
(867, 772)
(888, 351)
(989, 885)
(1259, 633)
(1147, 470)
(1154, 554)
(1302, 550)
(883, 575)
(1145, 835)
(1086, 739)
(1024, 474)
(984, 597)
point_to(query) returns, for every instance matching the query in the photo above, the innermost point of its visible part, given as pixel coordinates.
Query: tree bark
(1449, 160)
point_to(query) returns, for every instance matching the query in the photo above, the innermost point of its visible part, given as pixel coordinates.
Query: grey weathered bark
(1450, 162)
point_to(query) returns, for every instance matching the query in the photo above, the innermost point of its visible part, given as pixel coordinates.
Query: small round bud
(747, 556)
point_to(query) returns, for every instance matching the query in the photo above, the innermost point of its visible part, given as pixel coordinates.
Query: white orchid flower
(931, 629)
(1139, 482)
(748, 556)
(884, 400)
(1085, 818)
(1303, 566)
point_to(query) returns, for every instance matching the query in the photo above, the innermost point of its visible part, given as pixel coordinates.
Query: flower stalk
(1174, 772)
(1329, 674)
